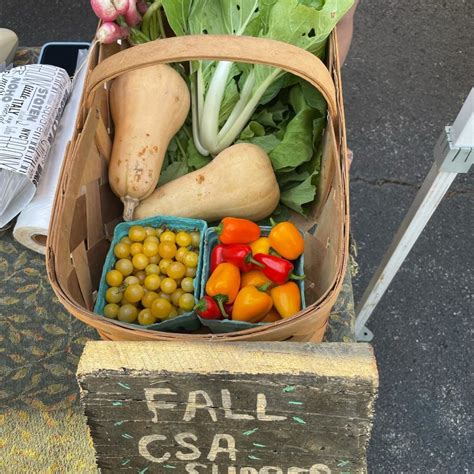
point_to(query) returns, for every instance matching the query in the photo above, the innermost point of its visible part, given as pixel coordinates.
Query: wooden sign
(232, 408)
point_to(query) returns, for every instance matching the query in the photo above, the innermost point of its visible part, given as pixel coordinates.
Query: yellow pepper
(224, 283)
(286, 299)
(262, 245)
(253, 278)
(271, 316)
(287, 240)
(251, 305)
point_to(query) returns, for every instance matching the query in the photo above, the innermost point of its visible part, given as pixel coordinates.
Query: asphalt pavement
(409, 70)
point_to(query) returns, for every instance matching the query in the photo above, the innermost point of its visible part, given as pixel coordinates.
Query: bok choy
(225, 95)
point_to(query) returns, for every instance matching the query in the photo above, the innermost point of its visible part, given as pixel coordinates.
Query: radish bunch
(137, 20)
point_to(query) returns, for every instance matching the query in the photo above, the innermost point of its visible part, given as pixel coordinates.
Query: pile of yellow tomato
(153, 276)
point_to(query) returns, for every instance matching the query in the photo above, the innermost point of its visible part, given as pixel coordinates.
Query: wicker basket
(86, 211)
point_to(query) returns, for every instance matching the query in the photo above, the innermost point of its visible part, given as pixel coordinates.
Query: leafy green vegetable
(225, 95)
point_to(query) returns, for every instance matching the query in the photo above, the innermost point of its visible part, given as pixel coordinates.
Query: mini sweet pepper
(233, 230)
(271, 316)
(241, 256)
(287, 240)
(261, 245)
(251, 304)
(286, 299)
(277, 269)
(223, 285)
(207, 308)
(217, 256)
(253, 278)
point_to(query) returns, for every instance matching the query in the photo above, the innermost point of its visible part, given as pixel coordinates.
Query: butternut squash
(148, 107)
(238, 182)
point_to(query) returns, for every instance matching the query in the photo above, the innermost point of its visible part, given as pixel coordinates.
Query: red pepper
(216, 256)
(241, 256)
(277, 269)
(207, 308)
(228, 309)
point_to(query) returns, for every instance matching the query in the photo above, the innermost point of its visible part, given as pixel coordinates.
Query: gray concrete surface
(410, 68)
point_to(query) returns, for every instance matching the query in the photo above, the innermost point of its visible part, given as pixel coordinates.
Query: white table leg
(449, 161)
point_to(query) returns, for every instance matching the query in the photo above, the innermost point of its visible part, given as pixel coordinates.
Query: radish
(111, 32)
(104, 9)
(132, 17)
(142, 6)
(121, 5)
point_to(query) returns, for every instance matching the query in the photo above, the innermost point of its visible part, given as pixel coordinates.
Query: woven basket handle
(244, 49)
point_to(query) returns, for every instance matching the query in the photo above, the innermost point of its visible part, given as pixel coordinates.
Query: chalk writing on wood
(232, 422)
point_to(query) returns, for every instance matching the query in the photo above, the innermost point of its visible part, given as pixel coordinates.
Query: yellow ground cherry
(131, 280)
(176, 270)
(137, 233)
(186, 301)
(141, 275)
(152, 269)
(164, 295)
(160, 308)
(191, 259)
(195, 239)
(181, 252)
(114, 278)
(183, 239)
(148, 298)
(154, 259)
(168, 285)
(127, 313)
(152, 238)
(190, 272)
(122, 250)
(134, 293)
(124, 266)
(168, 236)
(136, 248)
(167, 249)
(149, 231)
(140, 261)
(152, 282)
(173, 312)
(176, 295)
(113, 295)
(164, 264)
(150, 248)
(187, 284)
(145, 317)
(125, 240)
(111, 310)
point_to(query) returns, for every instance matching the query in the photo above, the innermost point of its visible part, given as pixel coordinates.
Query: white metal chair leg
(454, 153)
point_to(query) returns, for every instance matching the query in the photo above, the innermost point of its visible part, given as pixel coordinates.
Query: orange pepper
(223, 285)
(233, 230)
(287, 240)
(251, 304)
(253, 278)
(271, 316)
(262, 245)
(286, 299)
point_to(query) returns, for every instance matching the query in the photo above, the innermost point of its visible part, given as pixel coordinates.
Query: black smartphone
(63, 55)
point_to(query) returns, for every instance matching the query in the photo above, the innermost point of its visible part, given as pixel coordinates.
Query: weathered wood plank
(229, 408)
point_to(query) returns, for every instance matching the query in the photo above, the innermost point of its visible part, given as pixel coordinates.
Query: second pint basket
(86, 211)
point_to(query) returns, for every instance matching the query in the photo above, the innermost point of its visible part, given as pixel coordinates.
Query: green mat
(42, 429)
